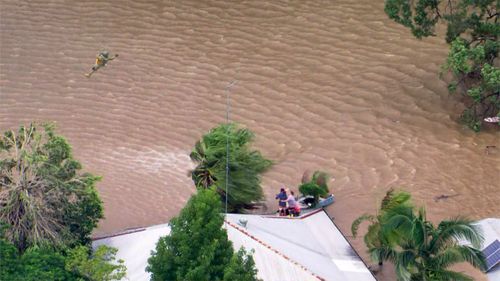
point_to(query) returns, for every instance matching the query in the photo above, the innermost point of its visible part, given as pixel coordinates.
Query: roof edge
(348, 242)
(125, 232)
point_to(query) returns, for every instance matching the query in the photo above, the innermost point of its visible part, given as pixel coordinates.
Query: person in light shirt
(292, 204)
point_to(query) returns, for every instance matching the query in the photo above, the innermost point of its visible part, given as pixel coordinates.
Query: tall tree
(473, 32)
(418, 249)
(197, 247)
(380, 243)
(245, 166)
(426, 252)
(44, 198)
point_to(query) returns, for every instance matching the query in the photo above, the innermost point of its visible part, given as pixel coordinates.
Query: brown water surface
(331, 85)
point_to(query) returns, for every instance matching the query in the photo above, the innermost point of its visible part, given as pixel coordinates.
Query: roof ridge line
(293, 218)
(274, 250)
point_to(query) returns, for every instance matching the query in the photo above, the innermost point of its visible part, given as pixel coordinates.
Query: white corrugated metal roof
(135, 249)
(313, 244)
(302, 249)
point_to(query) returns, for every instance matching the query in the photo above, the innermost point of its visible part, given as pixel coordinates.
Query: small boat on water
(307, 202)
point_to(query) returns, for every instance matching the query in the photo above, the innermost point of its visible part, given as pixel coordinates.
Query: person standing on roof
(101, 60)
(291, 202)
(282, 197)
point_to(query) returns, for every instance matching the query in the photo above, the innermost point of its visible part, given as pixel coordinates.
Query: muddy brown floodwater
(330, 85)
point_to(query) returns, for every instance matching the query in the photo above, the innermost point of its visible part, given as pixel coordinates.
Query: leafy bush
(99, 265)
(241, 267)
(316, 187)
(35, 264)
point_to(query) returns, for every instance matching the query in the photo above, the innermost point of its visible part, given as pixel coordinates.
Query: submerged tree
(426, 252)
(44, 199)
(418, 249)
(316, 186)
(197, 247)
(245, 166)
(473, 32)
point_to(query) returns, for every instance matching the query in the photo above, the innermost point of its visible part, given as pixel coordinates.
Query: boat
(306, 202)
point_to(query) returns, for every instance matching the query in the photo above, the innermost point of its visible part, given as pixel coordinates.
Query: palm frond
(402, 272)
(357, 222)
(400, 223)
(383, 253)
(373, 237)
(457, 253)
(398, 210)
(394, 199)
(448, 275)
(419, 233)
(459, 228)
(198, 153)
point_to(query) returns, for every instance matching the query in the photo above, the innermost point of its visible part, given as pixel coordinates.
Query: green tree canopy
(35, 264)
(44, 198)
(473, 31)
(8, 258)
(241, 267)
(245, 166)
(47, 264)
(98, 265)
(419, 249)
(426, 252)
(380, 243)
(197, 248)
(43, 264)
(316, 186)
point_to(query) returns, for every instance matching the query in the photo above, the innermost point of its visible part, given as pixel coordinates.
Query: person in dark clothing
(282, 197)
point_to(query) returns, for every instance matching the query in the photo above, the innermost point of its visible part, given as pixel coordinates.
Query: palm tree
(245, 166)
(203, 175)
(380, 244)
(425, 252)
